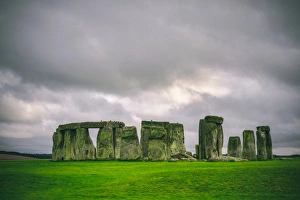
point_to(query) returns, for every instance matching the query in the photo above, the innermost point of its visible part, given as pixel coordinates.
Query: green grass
(43, 179)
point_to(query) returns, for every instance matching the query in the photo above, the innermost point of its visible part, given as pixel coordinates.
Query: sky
(177, 61)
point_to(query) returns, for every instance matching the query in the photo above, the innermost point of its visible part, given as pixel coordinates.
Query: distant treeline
(49, 156)
(291, 156)
(278, 156)
(37, 155)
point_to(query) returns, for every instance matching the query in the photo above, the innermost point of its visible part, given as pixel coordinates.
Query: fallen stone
(183, 156)
(227, 159)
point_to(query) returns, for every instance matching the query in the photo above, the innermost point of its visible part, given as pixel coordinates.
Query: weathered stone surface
(182, 156)
(220, 140)
(157, 149)
(154, 123)
(157, 132)
(211, 142)
(261, 145)
(69, 145)
(227, 159)
(265, 131)
(74, 144)
(161, 140)
(269, 146)
(58, 146)
(105, 143)
(117, 142)
(176, 139)
(263, 128)
(214, 119)
(197, 150)
(102, 124)
(84, 148)
(210, 137)
(249, 152)
(145, 132)
(130, 149)
(153, 130)
(234, 147)
(202, 148)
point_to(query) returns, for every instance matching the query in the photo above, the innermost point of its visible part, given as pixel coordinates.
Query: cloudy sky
(178, 61)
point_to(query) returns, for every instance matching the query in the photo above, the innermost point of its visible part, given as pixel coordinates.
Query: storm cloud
(178, 61)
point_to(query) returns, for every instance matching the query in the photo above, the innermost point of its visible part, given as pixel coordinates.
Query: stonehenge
(210, 137)
(159, 141)
(210, 142)
(73, 142)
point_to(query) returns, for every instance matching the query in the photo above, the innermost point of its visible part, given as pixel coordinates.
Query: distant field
(44, 179)
(15, 157)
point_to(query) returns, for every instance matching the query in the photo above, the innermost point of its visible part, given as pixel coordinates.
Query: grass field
(44, 179)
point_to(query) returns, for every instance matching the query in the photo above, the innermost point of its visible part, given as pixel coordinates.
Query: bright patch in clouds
(114, 60)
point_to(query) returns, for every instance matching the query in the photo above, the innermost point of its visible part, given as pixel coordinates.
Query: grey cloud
(282, 19)
(26, 145)
(56, 54)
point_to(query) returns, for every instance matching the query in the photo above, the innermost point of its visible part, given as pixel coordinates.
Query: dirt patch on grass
(15, 157)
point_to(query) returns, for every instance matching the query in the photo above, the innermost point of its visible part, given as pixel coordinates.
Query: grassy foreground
(43, 179)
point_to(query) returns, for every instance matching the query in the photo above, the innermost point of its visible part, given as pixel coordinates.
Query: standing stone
(154, 140)
(162, 140)
(175, 139)
(268, 141)
(211, 142)
(84, 147)
(105, 143)
(145, 132)
(202, 144)
(220, 139)
(269, 146)
(261, 145)
(249, 152)
(234, 147)
(117, 142)
(157, 149)
(69, 144)
(197, 150)
(58, 146)
(130, 149)
(210, 137)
